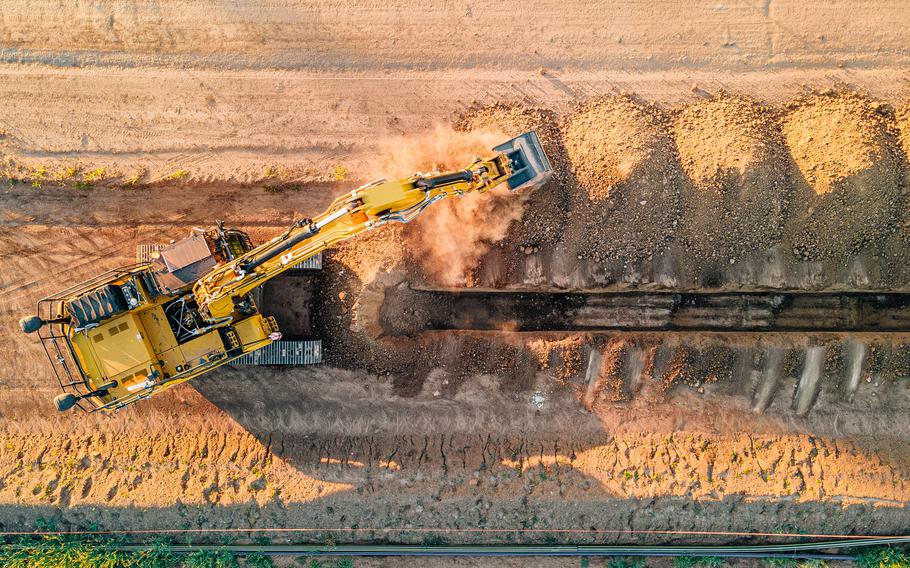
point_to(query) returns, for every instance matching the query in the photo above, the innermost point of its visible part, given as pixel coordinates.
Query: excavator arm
(519, 162)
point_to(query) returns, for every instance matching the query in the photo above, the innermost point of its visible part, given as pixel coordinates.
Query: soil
(845, 147)
(903, 125)
(769, 130)
(625, 161)
(737, 190)
(544, 219)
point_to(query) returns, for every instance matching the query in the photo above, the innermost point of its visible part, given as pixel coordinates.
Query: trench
(408, 310)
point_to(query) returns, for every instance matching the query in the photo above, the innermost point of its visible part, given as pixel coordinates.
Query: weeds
(97, 174)
(339, 172)
(57, 552)
(68, 173)
(636, 562)
(781, 562)
(331, 563)
(212, 559)
(256, 560)
(685, 561)
(159, 555)
(883, 557)
(136, 178)
(176, 175)
(48, 525)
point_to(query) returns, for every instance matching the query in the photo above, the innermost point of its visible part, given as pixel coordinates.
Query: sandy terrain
(736, 145)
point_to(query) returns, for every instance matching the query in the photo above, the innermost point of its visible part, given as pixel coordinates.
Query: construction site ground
(736, 145)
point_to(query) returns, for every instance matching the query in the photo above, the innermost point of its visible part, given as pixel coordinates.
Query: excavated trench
(406, 311)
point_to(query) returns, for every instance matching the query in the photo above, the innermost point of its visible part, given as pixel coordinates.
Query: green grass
(212, 559)
(81, 552)
(883, 557)
(258, 561)
(685, 561)
(57, 552)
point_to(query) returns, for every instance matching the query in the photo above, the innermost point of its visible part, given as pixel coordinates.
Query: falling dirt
(448, 239)
(845, 148)
(437, 150)
(545, 212)
(736, 163)
(453, 237)
(625, 161)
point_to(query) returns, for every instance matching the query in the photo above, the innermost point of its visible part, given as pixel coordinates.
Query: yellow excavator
(134, 332)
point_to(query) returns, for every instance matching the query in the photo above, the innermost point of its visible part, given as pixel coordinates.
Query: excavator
(133, 332)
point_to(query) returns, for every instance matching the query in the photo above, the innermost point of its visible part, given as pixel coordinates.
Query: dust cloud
(450, 237)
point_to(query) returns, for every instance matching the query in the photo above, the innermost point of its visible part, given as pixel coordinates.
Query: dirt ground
(733, 145)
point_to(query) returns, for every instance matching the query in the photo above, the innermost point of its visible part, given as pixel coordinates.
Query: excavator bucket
(530, 166)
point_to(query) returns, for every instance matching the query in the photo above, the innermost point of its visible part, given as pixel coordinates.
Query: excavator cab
(530, 167)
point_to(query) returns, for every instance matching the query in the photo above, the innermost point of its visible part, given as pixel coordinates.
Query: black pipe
(251, 265)
(431, 182)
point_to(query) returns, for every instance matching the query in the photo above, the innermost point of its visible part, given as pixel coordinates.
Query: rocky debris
(903, 127)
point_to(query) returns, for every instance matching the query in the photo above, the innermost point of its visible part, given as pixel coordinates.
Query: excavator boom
(131, 333)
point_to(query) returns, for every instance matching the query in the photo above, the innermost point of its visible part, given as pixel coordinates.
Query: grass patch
(883, 557)
(339, 173)
(256, 560)
(54, 552)
(781, 562)
(136, 178)
(97, 174)
(212, 559)
(176, 175)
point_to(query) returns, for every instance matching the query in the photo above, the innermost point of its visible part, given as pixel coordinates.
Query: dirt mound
(736, 162)
(844, 148)
(625, 162)
(903, 126)
(545, 213)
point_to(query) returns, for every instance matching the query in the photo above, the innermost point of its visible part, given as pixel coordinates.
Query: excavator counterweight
(133, 332)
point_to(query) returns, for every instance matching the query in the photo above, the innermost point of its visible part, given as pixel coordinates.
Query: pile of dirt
(844, 147)
(624, 160)
(545, 213)
(903, 127)
(737, 167)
